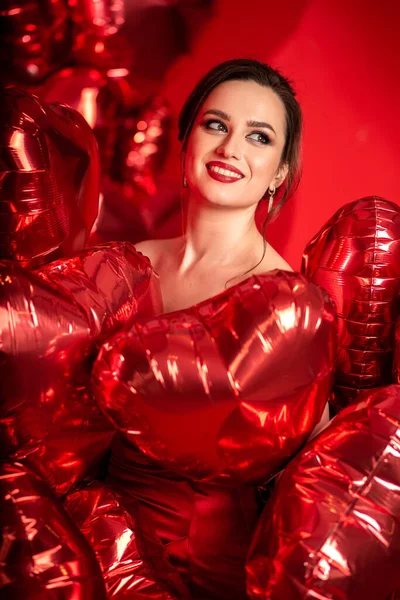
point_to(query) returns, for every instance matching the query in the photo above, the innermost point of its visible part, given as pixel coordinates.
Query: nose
(230, 147)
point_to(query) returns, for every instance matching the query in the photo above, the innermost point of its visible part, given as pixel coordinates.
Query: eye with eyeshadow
(260, 137)
(215, 125)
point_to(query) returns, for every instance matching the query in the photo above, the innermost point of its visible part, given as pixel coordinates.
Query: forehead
(248, 100)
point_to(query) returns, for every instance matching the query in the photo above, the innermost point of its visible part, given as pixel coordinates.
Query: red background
(343, 57)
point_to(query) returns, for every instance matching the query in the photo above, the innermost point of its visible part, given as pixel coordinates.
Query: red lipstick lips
(223, 172)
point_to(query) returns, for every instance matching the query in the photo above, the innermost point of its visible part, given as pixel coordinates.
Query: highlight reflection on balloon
(230, 388)
(133, 561)
(147, 145)
(49, 179)
(43, 555)
(332, 528)
(35, 39)
(51, 325)
(356, 258)
(96, 38)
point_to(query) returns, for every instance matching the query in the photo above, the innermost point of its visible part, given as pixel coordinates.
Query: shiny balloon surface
(229, 389)
(49, 179)
(356, 259)
(52, 323)
(120, 540)
(36, 39)
(147, 145)
(205, 526)
(136, 196)
(43, 554)
(332, 528)
(396, 356)
(96, 40)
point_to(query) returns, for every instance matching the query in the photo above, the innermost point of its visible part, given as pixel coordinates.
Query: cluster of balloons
(94, 56)
(221, 396)
(209, 402)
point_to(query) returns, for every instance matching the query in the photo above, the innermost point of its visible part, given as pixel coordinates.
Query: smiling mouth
(222, 173)
(225, 172)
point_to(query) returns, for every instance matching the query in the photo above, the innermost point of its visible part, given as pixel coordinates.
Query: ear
(281, 175)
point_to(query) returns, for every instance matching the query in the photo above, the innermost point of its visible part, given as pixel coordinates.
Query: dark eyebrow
(218, 113)
(261, 124)
(224, 115)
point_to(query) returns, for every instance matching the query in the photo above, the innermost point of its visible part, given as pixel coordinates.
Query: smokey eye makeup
(259, 137)
(214, 125)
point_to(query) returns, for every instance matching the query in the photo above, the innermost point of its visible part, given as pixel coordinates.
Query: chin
(220, 197)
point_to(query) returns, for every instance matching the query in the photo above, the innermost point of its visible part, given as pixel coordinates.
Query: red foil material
(49, 179)
(206, 527)
(396, 357)
(96, 41)
(51, 325)
(146, 146)
(229, 389)
(332, 528)
(35, 39)
(44, 556)
(120, 541)
(356, 258)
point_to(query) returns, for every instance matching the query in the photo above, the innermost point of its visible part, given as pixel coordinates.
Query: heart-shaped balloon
(51, 325)
(49, 179)
(229, 389)
(44, 555)
(332, 528)
(133, 560)
(356, 258)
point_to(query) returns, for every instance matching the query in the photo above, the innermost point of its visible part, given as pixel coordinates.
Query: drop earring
(271, 193)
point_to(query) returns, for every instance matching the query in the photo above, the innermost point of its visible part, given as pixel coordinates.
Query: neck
(218, 235)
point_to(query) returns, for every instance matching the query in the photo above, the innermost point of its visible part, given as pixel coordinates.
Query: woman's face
(234, 149)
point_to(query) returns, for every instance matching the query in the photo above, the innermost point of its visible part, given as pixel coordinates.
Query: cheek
(266, 163)
(264, 168)
(196, 153)
(192, 152)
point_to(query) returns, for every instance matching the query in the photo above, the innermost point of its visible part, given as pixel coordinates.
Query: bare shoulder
(156, 249)
(273, 260)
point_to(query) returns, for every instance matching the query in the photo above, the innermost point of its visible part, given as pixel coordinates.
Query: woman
(240, 131)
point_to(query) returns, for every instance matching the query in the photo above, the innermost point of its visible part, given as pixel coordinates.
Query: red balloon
(137, 197)
(396, 357)
(51, 325)
(36, 39)
(356, 258)
(105, 16)
(49, 179)
(90, 93)
(43, 553)
(205, 527)
(332, 528)
(147, 146)
(229, 389)
(96, 38)
(133, 560)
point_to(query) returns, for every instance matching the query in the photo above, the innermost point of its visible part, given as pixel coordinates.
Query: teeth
(225, 172)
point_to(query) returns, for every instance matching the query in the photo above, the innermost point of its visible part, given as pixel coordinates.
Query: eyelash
(265, 139)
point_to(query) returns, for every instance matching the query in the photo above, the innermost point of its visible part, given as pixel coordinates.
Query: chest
(183, 291)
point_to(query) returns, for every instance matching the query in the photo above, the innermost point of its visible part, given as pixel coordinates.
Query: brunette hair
(246, 69)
